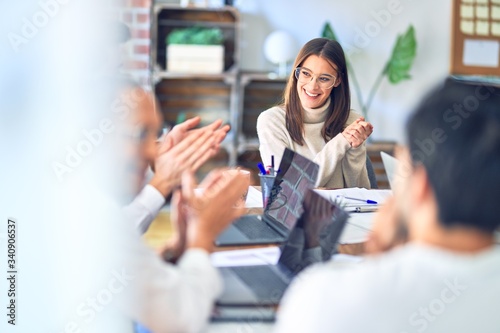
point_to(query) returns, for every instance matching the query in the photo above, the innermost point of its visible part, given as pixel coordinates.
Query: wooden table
(161, 230)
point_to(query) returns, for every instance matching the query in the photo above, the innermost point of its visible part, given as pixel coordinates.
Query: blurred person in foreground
(445, 277)
(175, 291)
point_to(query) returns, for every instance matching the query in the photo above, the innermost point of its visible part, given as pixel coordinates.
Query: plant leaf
(403, 54)
(328, 32)
(196, 35)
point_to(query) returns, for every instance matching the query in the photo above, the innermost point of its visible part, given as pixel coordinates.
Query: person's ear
(421, 188)
(338, 82)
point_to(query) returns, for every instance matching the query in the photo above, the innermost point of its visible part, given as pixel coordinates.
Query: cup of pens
(267, 177)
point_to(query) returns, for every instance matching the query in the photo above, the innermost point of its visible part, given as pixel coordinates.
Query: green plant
(196, 35)
(396, 69)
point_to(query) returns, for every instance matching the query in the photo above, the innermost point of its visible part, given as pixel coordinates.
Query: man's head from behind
(454, 140)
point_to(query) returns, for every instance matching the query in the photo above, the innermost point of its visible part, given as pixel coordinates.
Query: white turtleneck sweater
(340, 165)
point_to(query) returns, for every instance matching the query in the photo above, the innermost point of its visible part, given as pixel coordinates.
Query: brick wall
(136, 15)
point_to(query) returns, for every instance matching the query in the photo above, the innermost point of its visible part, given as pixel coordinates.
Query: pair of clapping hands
(357, 132)
(185, 148)
(198, 217)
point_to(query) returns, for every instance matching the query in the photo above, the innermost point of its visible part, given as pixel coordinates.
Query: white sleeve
(173, 298)
(338, 152)
(354, 168)
(354, 164)
(160, 296)
(330, 157)
(145, 207)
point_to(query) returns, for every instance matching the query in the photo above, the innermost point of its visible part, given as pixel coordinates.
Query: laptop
(296, 175)
(313, 239)
(390, 166)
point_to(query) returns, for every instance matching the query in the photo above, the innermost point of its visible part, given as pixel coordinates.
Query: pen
(261, 168)
(272, 162)
(363, 200)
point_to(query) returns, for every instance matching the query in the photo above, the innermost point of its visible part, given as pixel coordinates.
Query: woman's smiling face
(311, 94)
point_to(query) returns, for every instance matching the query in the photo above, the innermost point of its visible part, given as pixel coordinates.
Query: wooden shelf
(258, 92)
(167, 17)
(185, 95)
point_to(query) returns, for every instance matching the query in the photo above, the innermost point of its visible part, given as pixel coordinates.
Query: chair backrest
(371, 173)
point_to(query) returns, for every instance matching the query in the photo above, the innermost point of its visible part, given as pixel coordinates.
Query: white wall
(304, 19)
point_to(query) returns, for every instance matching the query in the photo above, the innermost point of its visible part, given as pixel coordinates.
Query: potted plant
(396, 69)
(195, 50)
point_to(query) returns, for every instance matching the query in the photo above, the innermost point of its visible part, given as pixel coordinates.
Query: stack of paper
(359, 224)
(254, 198)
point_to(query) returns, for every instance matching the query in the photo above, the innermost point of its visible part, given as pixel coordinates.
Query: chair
(371, 173)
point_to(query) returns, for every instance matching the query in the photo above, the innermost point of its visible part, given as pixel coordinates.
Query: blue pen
(363, 200)
(261, 168)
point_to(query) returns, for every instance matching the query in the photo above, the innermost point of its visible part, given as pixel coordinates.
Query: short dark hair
(455, 134)
(340, 106)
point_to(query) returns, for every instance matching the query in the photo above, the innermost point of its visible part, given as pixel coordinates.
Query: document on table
(261, 256)
(378, 196)
(352, 234)
(254, 198)
(246, 257)
(359, 225)
(347, 258)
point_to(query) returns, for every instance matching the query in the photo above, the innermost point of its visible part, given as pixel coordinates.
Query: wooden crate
(169, 17)
(183, 98)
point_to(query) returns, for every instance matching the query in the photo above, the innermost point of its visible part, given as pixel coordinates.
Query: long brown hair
(338, 111)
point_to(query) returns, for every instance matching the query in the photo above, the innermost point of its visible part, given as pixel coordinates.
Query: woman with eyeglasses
(316, 120)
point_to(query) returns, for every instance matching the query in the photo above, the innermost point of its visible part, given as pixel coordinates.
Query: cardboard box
(208, 59)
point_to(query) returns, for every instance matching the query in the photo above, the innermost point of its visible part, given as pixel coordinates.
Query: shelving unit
(169, 17)
(210, 96)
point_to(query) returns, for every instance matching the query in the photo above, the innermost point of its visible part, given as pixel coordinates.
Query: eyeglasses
(325, 81)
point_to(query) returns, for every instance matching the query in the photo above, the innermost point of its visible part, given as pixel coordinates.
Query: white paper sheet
(254, 198)
(247, 257)
(484, 53)
(362, 220)
(347, 258)
(359, 224)
(352, 234)
(262, 256)
(356, 192)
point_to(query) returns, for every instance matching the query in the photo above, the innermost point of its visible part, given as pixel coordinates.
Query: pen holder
(266, 185)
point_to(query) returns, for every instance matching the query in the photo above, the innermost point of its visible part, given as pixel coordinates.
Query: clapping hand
(357, 132)
(211, 211)
(185, 149)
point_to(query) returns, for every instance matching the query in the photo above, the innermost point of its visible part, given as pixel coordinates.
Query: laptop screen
(315, 236)
(390, 166)
(296, 175)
